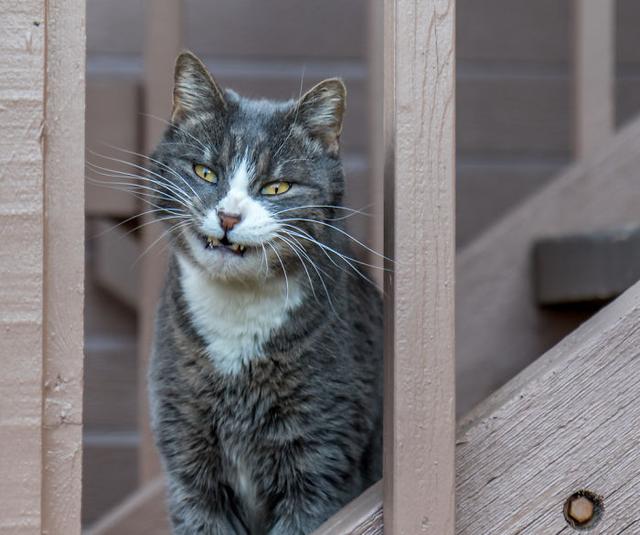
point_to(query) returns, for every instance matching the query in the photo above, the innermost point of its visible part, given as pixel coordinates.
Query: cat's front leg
(200, 503)
(313, 484)
(194, 512)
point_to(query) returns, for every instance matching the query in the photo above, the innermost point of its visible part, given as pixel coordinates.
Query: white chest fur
(236, 319)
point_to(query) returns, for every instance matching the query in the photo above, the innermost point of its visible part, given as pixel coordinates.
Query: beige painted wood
(63, 266)
(22, 112)
(419, 92)
(163, 41)
(594, 65)
(501, 330)
(569, 422)
(41, 261)
(363, 516)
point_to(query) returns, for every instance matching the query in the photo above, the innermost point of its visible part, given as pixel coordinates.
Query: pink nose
(228, 221)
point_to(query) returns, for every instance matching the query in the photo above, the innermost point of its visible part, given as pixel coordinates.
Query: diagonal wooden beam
(363, 516)
(500, 328)
(569, 422)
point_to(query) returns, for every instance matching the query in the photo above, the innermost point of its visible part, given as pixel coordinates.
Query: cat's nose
(228, 221)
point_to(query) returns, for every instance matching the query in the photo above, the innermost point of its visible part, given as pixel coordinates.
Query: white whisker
(284, 271)
(344, 233)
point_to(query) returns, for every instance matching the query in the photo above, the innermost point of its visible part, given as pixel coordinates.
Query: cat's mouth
(224, 245)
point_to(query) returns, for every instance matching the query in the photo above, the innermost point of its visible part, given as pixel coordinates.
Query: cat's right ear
(194, 89)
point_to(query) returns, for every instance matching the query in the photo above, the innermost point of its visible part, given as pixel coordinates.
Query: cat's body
(266, 387)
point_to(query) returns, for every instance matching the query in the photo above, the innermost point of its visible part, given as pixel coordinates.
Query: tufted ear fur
(321, 110)
(194, 90)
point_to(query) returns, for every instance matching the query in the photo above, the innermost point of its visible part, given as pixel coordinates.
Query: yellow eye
(275, 188)
(205, 173)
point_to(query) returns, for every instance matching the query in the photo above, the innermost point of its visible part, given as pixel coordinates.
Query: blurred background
(515, 116)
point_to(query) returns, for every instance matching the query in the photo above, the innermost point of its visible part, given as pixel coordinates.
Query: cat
(266, 374)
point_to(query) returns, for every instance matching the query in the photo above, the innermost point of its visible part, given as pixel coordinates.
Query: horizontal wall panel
(486, 191)
(116, 269)
(512, 114)
(115, 27)
(112, 118)
(627, 98)
(284, 28)
(110, 378)
(109, 474)
(627, 42)
(105, 315)
(513, 30)
(240, 28)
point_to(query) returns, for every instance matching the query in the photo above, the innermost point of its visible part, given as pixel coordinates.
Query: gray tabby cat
(266, 377)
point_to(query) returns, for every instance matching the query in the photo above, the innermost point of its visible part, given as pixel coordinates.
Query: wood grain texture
(419, 97)
(569, 422)
(501, 328)
(41, 157)
(594, 63)
(22, 113)
(63, 266)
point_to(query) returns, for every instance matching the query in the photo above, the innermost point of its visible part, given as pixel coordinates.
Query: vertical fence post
(42, 264)
(163, 41)
(419, 93)
(594, 65)
(22, 63)
(64, 215)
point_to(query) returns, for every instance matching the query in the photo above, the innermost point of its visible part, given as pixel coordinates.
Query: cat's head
(247, 185)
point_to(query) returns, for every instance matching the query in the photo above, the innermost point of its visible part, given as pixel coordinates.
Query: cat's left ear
(194, 90)
(321, 111)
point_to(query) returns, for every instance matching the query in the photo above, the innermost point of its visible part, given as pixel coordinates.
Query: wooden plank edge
(363, 516)
(131, 507)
